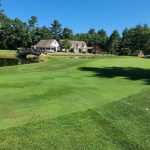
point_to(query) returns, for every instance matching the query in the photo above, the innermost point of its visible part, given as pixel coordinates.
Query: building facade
(46, 46)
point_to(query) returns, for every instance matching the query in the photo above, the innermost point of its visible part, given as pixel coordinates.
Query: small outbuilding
(97, 49)
(141, 54)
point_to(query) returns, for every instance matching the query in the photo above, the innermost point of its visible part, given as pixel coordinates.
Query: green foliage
(103, 38)
(40, 33)
(67, 33)
(92, 31)
(92, 39)
(147, 46)
(125, 52)
(14, 34)
(112, 45)
(65, 44)
(56, 30)
(84, 51)
(1, 10)
(136, 38)
(32, 22)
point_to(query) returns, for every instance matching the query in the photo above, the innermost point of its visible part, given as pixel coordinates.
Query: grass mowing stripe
(32, 96)
(97, 128)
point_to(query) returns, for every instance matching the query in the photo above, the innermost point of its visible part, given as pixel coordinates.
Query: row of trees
(132, 40)
(14, 34)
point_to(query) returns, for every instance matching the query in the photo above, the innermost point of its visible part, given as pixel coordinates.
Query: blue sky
(80, 15)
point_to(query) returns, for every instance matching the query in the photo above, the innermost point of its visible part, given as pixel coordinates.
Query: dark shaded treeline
(14, 34)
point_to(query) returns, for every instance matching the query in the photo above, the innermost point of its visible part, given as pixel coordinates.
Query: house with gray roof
(78, 46)
(47, 46)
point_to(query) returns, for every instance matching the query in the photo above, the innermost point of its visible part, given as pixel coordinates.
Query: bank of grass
(59, 105)
(7, 53)
(72, 54)
(121, 125)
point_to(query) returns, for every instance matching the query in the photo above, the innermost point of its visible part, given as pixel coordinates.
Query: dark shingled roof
(44, 43)
(78, 44)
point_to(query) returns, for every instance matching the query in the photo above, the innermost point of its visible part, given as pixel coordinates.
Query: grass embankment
(121, 125)
(7, 53)
(76, 104)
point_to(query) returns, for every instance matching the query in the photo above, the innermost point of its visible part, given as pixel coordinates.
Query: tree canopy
(1, 10)
(67, 33)
(112, 45)
(56, 30)
(14, 34)
(65, 44)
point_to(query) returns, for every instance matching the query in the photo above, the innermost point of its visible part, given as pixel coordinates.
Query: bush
(72, 50)
(83, 51)
(126, 51)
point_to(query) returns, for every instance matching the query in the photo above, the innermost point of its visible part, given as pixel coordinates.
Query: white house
(47, 46)
(78, 46)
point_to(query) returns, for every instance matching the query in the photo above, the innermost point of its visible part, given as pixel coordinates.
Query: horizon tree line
(14, 34)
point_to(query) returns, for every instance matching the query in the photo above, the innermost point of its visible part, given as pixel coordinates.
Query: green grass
(7, 53)
(62, 103)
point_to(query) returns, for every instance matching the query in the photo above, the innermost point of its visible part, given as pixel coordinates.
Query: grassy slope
(7, 53)
(44, 91)
(121, 125)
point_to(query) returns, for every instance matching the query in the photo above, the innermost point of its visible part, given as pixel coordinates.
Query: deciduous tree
(65, 44)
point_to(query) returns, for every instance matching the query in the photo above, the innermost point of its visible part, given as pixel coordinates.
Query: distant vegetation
(14, 34)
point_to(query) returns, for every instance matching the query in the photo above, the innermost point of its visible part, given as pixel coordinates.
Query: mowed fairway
(95, 104)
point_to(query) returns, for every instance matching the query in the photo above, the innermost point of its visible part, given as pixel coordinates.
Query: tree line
(14, 34)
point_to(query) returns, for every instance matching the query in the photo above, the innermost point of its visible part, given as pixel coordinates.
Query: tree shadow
(148, 57)
(126, 72)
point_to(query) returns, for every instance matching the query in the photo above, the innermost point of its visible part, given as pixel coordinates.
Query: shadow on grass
(147, 57)
(126, 72)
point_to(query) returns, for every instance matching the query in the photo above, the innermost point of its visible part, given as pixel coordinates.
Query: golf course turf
(68, 103)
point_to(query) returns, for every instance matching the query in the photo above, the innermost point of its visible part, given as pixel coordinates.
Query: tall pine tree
(1, 10)
(112, 45)
(56, 30)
